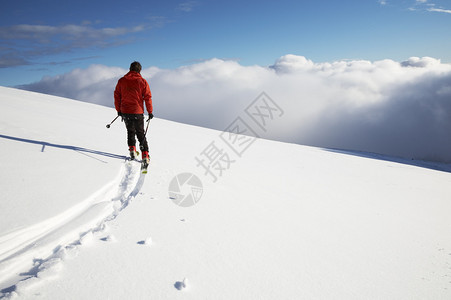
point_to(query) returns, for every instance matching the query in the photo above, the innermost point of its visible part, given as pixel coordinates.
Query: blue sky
(49, 37)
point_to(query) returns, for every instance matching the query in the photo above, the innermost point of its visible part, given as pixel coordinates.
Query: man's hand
(150, 117)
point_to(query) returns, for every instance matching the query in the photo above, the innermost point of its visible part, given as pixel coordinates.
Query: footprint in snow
(146, 242)
(108, 238)
(180, 285)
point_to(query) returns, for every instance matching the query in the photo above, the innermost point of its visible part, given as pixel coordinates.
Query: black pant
(135, 127)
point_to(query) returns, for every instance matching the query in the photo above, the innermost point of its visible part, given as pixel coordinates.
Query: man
(131, 93)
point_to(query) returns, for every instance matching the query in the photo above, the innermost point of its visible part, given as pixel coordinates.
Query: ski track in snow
(35, 252)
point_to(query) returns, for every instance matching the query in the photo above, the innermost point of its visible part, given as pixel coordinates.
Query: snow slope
(77, 221)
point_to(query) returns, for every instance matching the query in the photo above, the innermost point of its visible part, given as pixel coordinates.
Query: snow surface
(78, 221)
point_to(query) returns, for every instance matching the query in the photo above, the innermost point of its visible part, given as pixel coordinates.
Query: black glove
(150, 116)
(119, 114)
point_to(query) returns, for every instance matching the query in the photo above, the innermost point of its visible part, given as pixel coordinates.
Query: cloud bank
(394, 108)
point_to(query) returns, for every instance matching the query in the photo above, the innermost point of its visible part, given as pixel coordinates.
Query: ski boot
(145, 162)
(133, 152)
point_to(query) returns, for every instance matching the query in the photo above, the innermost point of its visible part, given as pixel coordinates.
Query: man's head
(136, 67)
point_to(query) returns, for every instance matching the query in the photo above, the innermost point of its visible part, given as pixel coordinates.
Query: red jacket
(131, 92)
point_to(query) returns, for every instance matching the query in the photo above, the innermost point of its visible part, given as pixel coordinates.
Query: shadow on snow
(68, 147)
(437, 166)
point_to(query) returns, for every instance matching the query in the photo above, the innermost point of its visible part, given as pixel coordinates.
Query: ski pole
(108, 125)
(147, 127)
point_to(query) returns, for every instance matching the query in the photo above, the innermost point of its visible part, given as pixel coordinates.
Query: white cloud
(187, 6)
(401, 109)
(32, 41)
(94, 84)
(45, 33)
(427, 6)
(423, 62)
(448, 11)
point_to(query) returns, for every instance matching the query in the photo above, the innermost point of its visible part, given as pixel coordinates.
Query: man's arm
(147, 96)
(117, 97)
